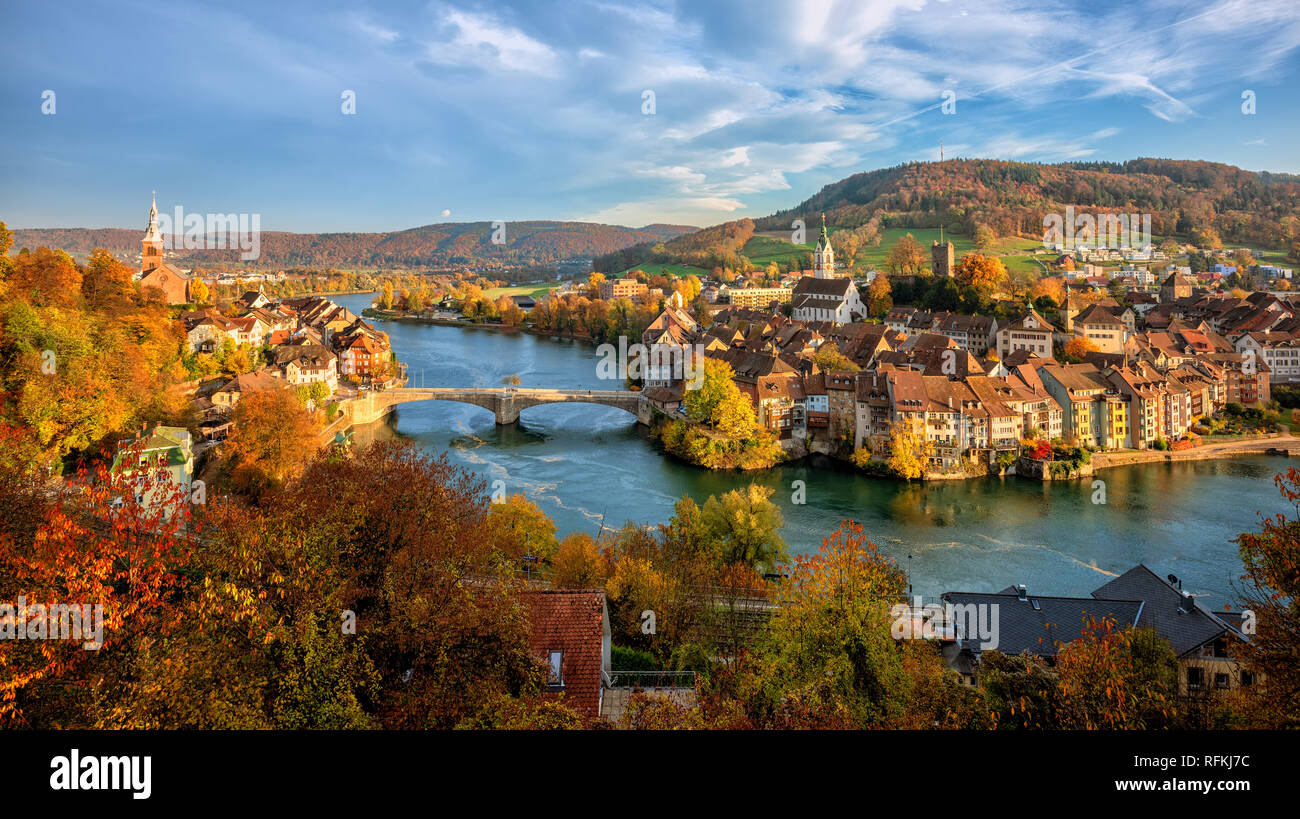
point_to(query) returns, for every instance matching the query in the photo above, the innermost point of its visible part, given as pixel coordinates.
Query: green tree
(745, 522)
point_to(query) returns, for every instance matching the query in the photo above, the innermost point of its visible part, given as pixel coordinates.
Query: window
(557, 668)
(1247, 678)
(1220, 680)
(1195, 678)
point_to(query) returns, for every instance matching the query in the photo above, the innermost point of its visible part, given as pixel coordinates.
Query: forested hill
(1011, 198)
(452, 244)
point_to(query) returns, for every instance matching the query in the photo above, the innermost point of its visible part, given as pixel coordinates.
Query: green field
(1016, 252)
(534, 290)
(678, 270)
(762, 250)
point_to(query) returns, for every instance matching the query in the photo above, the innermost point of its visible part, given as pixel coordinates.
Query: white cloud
(478, 41)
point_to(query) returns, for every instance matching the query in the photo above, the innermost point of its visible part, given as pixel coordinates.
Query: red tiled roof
(572, 621)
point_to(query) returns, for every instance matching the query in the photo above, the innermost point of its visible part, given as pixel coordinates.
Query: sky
(596, 110)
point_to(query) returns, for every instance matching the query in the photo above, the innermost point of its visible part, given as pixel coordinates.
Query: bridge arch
(506, 403)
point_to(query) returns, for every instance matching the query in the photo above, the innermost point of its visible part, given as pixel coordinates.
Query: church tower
(151, 251)
(823, 256)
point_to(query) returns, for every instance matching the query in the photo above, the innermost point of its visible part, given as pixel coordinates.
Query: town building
(827, 299)
(1030, 332)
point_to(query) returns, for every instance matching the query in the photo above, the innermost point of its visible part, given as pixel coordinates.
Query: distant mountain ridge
(1011, 198)
(441, 245)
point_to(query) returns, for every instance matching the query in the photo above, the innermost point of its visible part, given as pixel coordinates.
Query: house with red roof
(570, 632)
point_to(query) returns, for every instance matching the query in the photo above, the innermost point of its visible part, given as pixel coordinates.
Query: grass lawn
(534, 290)
(764, 249)
(678, 270)
(767, 247)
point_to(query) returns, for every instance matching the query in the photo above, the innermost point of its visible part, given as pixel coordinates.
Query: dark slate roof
(1040, 624)
(1187, 629)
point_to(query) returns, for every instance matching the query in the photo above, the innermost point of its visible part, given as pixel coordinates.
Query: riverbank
(1206, 452)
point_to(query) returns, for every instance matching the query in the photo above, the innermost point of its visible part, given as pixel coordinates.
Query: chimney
(1022, 593)
(1186, 603)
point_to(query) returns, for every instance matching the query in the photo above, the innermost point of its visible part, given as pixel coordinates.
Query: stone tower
(823, 256)
(943, 258)
(151, 251)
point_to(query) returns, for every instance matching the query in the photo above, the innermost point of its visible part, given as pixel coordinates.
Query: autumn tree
(437, 611)
(45, 277)
(1079, 346)
(827, 658)
(1206, 238)
(906, 258)
(273, 440)
(199, 292)
(909, 451)
(577, 563)
(829, 357)
(984, 273)
(718, 400)
(518, 527)
(1048, 287)
(106, 280)
(93, 545)
(846, 244)
(1271, 558)
(1114, 678)
(879, 299)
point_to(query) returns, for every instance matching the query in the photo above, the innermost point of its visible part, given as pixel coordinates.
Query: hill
(442, 245)
(1011, 198)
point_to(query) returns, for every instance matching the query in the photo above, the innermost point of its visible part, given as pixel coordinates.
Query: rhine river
(584, 464)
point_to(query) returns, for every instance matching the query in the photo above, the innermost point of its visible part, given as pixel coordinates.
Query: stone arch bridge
(504, 402)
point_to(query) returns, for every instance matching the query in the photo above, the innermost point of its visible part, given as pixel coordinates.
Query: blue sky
(534, 110)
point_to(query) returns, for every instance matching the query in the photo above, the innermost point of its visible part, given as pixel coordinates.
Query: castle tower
(151, 251)
(943, 258)
(823, 256)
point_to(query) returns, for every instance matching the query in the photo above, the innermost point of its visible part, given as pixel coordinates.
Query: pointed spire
(151, 233)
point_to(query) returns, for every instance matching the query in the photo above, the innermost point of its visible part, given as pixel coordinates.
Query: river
(584, 464)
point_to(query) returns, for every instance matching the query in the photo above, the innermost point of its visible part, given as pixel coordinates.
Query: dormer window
(557, 669)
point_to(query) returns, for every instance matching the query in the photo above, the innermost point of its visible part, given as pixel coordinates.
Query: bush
(631, 659)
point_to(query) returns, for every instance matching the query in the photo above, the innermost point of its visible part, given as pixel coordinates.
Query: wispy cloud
(535, 109)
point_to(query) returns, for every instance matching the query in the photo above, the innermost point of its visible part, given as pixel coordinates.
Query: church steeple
(151, 250)
(823, 255)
